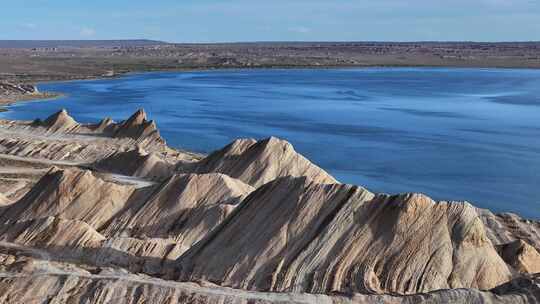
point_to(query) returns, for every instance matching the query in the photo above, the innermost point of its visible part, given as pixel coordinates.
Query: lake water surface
(455, 134)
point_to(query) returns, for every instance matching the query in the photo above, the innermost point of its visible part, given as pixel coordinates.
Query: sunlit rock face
(107, 213)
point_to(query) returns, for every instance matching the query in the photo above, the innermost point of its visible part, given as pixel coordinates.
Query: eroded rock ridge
(85, 205)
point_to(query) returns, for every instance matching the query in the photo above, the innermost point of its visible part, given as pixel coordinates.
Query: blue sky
(272, 20)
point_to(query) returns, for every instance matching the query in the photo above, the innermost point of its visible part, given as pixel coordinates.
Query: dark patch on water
(424, 113)
(523, 100)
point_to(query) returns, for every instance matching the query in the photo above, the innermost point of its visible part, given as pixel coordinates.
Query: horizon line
(273, 41)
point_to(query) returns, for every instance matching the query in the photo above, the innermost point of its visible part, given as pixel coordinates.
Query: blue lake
(455, 134)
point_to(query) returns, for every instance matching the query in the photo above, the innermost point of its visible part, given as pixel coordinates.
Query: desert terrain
(108, 213)
(29, 62)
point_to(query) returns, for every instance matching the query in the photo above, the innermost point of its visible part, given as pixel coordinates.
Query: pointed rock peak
(273, 140)
(59, 121)
(106, 121)
(140, 112)
(139, 128)
(257, 163)
(61, 116)
(104, 125)
(61, 113)
(137, 118)
(152, 125)
(276, 143)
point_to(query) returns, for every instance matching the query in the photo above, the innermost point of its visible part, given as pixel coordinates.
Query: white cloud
(87, 32)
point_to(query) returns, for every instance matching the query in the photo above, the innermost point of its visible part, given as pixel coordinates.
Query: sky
(273, 20)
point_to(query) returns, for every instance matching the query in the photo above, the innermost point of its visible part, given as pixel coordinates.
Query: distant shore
(9, 100)
(44, 61)
(6, 101)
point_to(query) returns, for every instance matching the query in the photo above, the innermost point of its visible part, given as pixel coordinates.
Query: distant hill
(24, 44)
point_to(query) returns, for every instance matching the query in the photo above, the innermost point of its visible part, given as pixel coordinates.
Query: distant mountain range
(76, 43)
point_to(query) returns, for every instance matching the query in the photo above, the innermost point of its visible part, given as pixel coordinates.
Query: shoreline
(285, 67)
(44, 96)
(54, 95)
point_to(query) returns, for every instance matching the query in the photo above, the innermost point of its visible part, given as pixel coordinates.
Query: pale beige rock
(137, 163)
(140, 129)
(104, 126)
(257, 163)
(105, 288)
(296, 235)
(76, 241)
(507, 227)
(185, 208)
(521, 256)
(59, 122)
(150, 255)
(60, 137)
(181, 210)
(71, 194)
(79, 236)
(51, 232)
(4, 200)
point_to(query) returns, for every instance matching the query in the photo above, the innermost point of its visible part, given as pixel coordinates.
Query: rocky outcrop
(184, 208)
(57, 149)
(137, 127)
(252, 162)
(58, 122)
(257, 163)
(60, 137)
(256, 216)
(176, 214)
(507, 227)
(104, 126)
(51, 232)
(521, 256)
(74, 241)
(152, 256)
(316, 238)
(70, 194)
(137, 163)
(296, 235)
